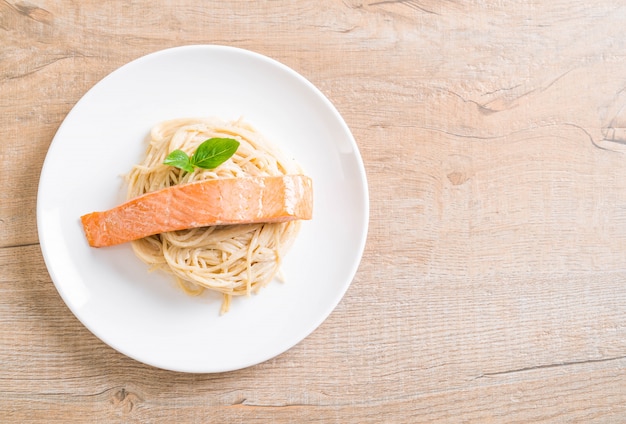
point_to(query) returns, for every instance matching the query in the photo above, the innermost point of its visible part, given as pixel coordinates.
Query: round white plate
(145, 315)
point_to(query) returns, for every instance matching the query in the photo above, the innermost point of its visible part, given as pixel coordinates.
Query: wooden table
(493, 284)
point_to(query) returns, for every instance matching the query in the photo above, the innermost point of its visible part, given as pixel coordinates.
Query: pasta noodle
(231, 259)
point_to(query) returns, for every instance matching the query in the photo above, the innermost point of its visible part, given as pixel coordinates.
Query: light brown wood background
(493, 285)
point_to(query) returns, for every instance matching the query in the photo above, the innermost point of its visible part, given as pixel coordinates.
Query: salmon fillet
(200, 204)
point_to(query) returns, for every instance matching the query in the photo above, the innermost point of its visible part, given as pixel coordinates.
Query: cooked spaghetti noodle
(231, 259)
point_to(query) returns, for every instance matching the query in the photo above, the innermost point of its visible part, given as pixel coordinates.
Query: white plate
(144, 315)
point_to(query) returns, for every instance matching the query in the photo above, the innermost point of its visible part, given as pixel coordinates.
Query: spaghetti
(234, 260)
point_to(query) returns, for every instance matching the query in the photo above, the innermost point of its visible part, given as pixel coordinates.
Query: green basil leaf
(213, 152)
(179, 159)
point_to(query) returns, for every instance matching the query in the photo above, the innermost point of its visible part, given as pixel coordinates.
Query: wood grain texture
(493, 285)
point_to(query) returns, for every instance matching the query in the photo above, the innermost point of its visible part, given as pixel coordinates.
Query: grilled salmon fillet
(200, 204)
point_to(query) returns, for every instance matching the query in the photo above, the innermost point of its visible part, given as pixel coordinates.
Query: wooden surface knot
(124, 399)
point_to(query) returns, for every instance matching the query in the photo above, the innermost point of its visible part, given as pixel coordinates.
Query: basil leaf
(213, 152)
(179, 159)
